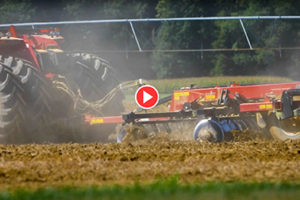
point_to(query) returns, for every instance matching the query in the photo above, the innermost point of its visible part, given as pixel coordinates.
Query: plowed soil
(35, 166)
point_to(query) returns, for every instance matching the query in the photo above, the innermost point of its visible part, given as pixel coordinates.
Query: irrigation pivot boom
(147, 20)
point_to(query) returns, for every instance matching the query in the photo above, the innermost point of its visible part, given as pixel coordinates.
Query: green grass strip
(165, 189)
(168, 85)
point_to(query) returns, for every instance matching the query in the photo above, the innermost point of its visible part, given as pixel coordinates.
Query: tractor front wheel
(93, 78)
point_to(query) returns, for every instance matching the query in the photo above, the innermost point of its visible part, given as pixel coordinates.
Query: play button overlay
(147, 97)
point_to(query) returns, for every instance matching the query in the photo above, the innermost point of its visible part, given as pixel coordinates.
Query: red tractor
(40, 84)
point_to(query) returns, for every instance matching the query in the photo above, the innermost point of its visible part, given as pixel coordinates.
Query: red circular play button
(147, 97)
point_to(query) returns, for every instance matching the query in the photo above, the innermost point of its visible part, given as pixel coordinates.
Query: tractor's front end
(29, 46)
(42, 85)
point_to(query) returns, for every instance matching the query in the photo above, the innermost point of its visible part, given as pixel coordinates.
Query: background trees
(102, 38)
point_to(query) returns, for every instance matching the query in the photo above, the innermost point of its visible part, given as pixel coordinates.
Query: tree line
(115, 42)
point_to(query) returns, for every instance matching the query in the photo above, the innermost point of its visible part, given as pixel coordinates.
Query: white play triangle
(146, 97)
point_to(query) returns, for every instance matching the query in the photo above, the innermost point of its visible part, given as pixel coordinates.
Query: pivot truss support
(246, 35)
(135, 37)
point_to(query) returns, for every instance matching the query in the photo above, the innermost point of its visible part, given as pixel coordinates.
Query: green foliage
(181, 35)
(165, 189)
(107, 36)
(226, 35)
(262, 34)
(175, 35)
(12, 11)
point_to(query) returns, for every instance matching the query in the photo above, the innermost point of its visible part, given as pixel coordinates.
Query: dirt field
(35, 166)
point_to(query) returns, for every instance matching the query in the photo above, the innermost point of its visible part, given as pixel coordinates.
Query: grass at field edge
(166, 86)
(164, 189)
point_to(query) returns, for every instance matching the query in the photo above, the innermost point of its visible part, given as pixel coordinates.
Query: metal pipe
(135, 37)
(195, 50)
(246, 35)
(150, 20)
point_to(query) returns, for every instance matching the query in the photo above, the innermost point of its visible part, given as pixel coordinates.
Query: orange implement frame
(257, 98)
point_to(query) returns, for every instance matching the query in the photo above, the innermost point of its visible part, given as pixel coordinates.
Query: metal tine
(154, 128)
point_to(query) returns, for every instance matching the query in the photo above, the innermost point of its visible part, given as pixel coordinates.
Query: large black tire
(93, 78)
(11, 105)
(35, 97)
(93, 75)
(23, 99)
(288, 129)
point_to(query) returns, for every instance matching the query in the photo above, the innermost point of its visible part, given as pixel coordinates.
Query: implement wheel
(288, 129)
(208, 130)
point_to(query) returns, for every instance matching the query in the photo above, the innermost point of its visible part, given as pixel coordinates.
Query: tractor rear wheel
(288, 129)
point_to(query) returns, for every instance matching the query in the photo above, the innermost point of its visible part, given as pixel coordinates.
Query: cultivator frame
(220, 109)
